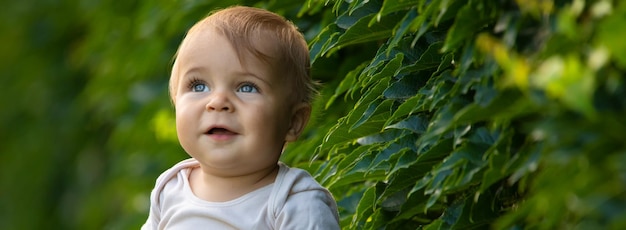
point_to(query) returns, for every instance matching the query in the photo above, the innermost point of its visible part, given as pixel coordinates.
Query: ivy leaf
(412, 105)
(346, 84)
(369, 100)
(403, 28)
(394, 201)
(350, 18)
(365, 207)
(405, 178)
(392, 151)
(468, 22)
(389, 71)
(443, 121)
(375, 108)
(435, 151)
(323, 42)
(405, 87)
(435, 225)
(507, 105)
(343, 132)
(453, 213)
(351, 159)
(415, 124)
(362, 31)
(385, 137)
(435, 188)
(381, 57)
(394, 6)
(496, 170)
(431, 58)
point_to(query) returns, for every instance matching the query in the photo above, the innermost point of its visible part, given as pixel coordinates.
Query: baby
(241, 88)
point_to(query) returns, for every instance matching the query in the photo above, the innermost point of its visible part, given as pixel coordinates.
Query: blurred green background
(87, 125)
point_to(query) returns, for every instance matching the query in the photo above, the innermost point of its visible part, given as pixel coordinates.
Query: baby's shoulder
(296, 180)
(298, 186)
(305, 203)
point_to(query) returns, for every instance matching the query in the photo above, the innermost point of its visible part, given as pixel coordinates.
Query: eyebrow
(192, 70)
(248, 73)
(200, 69)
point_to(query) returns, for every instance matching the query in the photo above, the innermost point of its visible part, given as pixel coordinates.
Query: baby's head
(241, 88)
(268, 37)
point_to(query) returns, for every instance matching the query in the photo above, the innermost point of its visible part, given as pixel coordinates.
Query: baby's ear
(299, 118)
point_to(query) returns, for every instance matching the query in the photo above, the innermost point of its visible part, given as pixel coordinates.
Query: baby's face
(229, 117)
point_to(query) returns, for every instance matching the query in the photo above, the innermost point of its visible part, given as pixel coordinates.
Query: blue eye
(248, 88)
(198, 86)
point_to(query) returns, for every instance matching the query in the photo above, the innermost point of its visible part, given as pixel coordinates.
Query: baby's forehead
(254, 50)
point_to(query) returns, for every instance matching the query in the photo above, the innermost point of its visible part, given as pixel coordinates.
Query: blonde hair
(288, 55)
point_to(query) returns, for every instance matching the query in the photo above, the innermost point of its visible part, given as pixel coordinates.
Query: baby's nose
(219, 102)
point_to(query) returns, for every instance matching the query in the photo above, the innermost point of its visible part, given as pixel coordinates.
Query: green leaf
(362, 31)
(323, 42)
(375, 108)
(366, 101)
(496, 170)
(405, 88)
(507, 105)
(342, 132)
(392, 151)
(384, 137)
(448, 9)
(325, 171)
(403, 28)
(379, 60)
(394, 6)
(394, 201)
(481, 213)
(365, 207)
(412, 105)
(431, 58)
(435, 188)
(351, 159)
(346, 84)
(452, 214)
(415, 124)
(435, 225)
(389, 71)
(363, 9)
(443, 121)
(469, 21)
(435, 151)
(405, 178)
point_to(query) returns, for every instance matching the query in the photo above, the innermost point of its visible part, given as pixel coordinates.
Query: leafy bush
(472, 114)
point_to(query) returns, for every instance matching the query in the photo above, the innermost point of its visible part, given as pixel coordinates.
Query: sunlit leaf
(415, 124)
(362, 31)
(394, 6)
(365, 207)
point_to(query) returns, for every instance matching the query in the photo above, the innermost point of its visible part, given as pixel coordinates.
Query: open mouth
(220, 131)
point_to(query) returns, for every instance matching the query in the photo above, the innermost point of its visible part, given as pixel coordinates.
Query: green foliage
(435, 114)
(475, 114)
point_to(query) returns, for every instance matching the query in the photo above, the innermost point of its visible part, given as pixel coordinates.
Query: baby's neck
(215, 188)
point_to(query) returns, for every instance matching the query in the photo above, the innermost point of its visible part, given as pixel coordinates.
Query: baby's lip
(220, 130)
